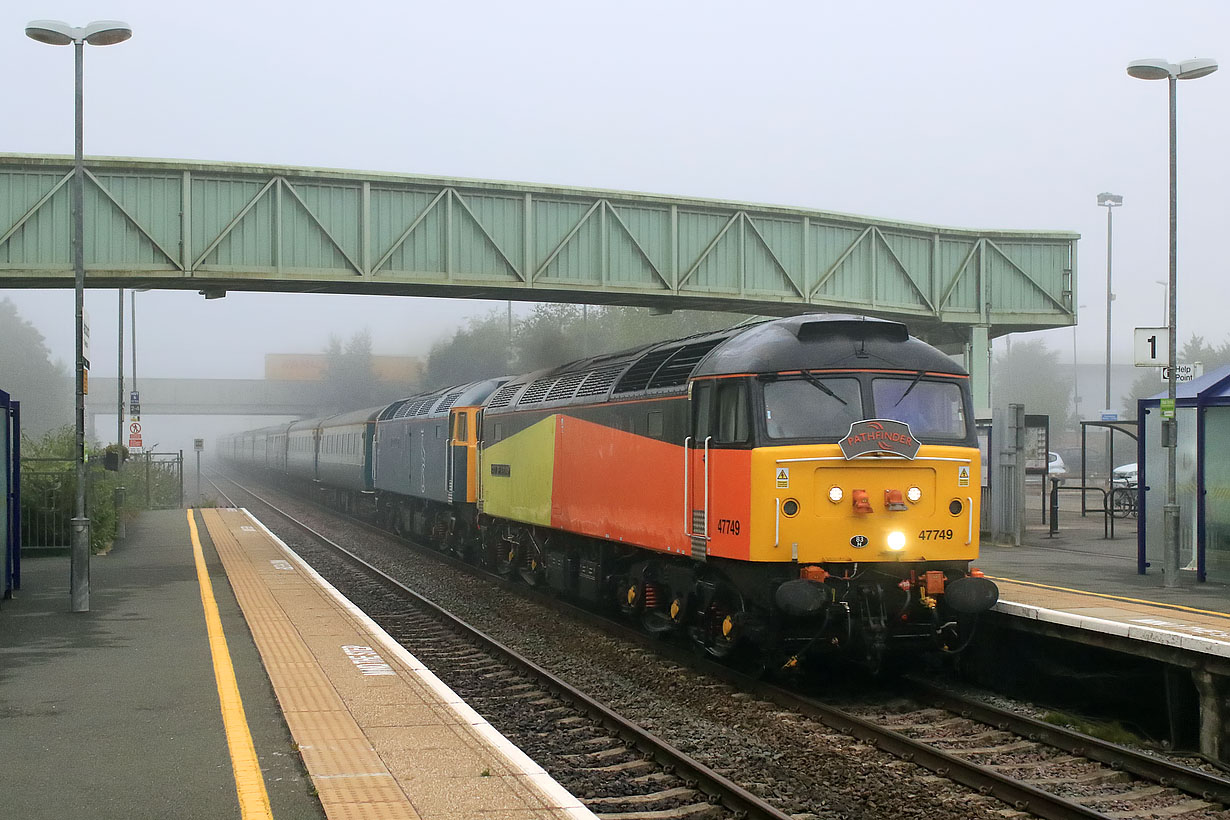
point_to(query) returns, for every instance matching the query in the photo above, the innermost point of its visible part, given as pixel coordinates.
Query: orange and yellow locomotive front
(810, 504)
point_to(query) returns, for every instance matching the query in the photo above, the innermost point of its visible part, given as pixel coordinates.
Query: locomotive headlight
(914, 494)
(835, 495)
(896, 540)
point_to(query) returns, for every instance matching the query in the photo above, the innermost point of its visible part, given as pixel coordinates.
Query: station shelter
(1202, 477)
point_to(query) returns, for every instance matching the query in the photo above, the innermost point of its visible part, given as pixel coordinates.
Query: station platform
(216, 675)
(1080, 579)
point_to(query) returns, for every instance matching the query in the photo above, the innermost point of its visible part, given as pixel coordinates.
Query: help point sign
(1183, 372)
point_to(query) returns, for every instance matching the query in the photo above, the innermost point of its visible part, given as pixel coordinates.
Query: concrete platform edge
(1149, 633)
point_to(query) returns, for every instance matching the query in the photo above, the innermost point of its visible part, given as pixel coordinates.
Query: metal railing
(151, 481)
(1108, 518)
(47, 495)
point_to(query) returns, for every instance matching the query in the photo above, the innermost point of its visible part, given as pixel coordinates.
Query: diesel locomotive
(799, 488)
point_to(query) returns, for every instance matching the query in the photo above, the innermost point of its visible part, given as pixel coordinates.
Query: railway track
(1033, 767)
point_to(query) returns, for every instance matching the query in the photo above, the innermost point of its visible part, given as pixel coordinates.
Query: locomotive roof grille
(640, 374)
(599, 381)
(503, 396)
(666, 367)
(536, 391)
(566, 387)
(676, 370)
(449, 401)
(392, 410)
(410, 408)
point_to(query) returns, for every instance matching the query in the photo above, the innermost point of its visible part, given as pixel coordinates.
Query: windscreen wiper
(820, 385)
(913, 384)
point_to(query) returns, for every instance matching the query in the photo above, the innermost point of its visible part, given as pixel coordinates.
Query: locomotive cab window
(701, 399)
(462, 427)
(731, 412)
(811, 407)
(933, 409)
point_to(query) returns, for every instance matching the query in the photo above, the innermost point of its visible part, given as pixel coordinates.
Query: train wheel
(491, 546)
(719, 618)
(508, 554)
(533, 567)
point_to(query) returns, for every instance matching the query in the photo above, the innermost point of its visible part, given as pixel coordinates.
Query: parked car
(1124, 476)
(1055, 468)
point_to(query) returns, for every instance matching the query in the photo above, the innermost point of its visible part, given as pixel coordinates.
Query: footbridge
(216, 227)
(213, 397)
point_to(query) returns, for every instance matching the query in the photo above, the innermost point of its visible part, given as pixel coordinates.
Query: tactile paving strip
(350, 777)
(380, 734)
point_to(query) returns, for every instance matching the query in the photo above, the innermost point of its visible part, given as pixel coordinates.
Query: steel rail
(1164, 772)
(730, 795)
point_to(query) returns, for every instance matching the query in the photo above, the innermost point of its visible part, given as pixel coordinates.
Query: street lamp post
(1158, 69)
(98, 33)
(119, 388)
(1108, 201)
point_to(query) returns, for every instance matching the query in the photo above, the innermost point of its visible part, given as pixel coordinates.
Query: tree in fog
(477, 351)
(44, 388)
(554, 334)
(1026, 374)
(1149, 383)
(621, 328)
(350, 383)
(551, 335)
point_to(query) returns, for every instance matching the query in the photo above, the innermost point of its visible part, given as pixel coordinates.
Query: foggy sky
(981, 115)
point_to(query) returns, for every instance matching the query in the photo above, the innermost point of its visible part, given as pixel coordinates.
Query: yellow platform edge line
(249, 782)
(1180, 607)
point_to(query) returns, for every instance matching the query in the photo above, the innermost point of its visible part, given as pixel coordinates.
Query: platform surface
(125, 710)
(1079, 578)
(114, 712)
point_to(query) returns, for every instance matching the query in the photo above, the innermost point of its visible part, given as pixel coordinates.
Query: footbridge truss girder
(176, 224)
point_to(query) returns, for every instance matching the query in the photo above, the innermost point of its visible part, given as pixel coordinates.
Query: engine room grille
(599, 381)
(638, 376)
(449, 401)
(536, 391)
(391, 411)
(410, 408)
(503, 397)
(566, 386)
(676, 370)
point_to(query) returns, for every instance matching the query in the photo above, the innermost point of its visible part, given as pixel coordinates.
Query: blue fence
(10, 491)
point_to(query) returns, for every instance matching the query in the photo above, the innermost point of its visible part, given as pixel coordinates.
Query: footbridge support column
(978, 363)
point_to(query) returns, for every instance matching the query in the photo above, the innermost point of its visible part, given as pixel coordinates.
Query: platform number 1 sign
(1152, 346)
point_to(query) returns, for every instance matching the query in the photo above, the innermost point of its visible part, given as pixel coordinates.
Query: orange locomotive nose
(862, 504)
